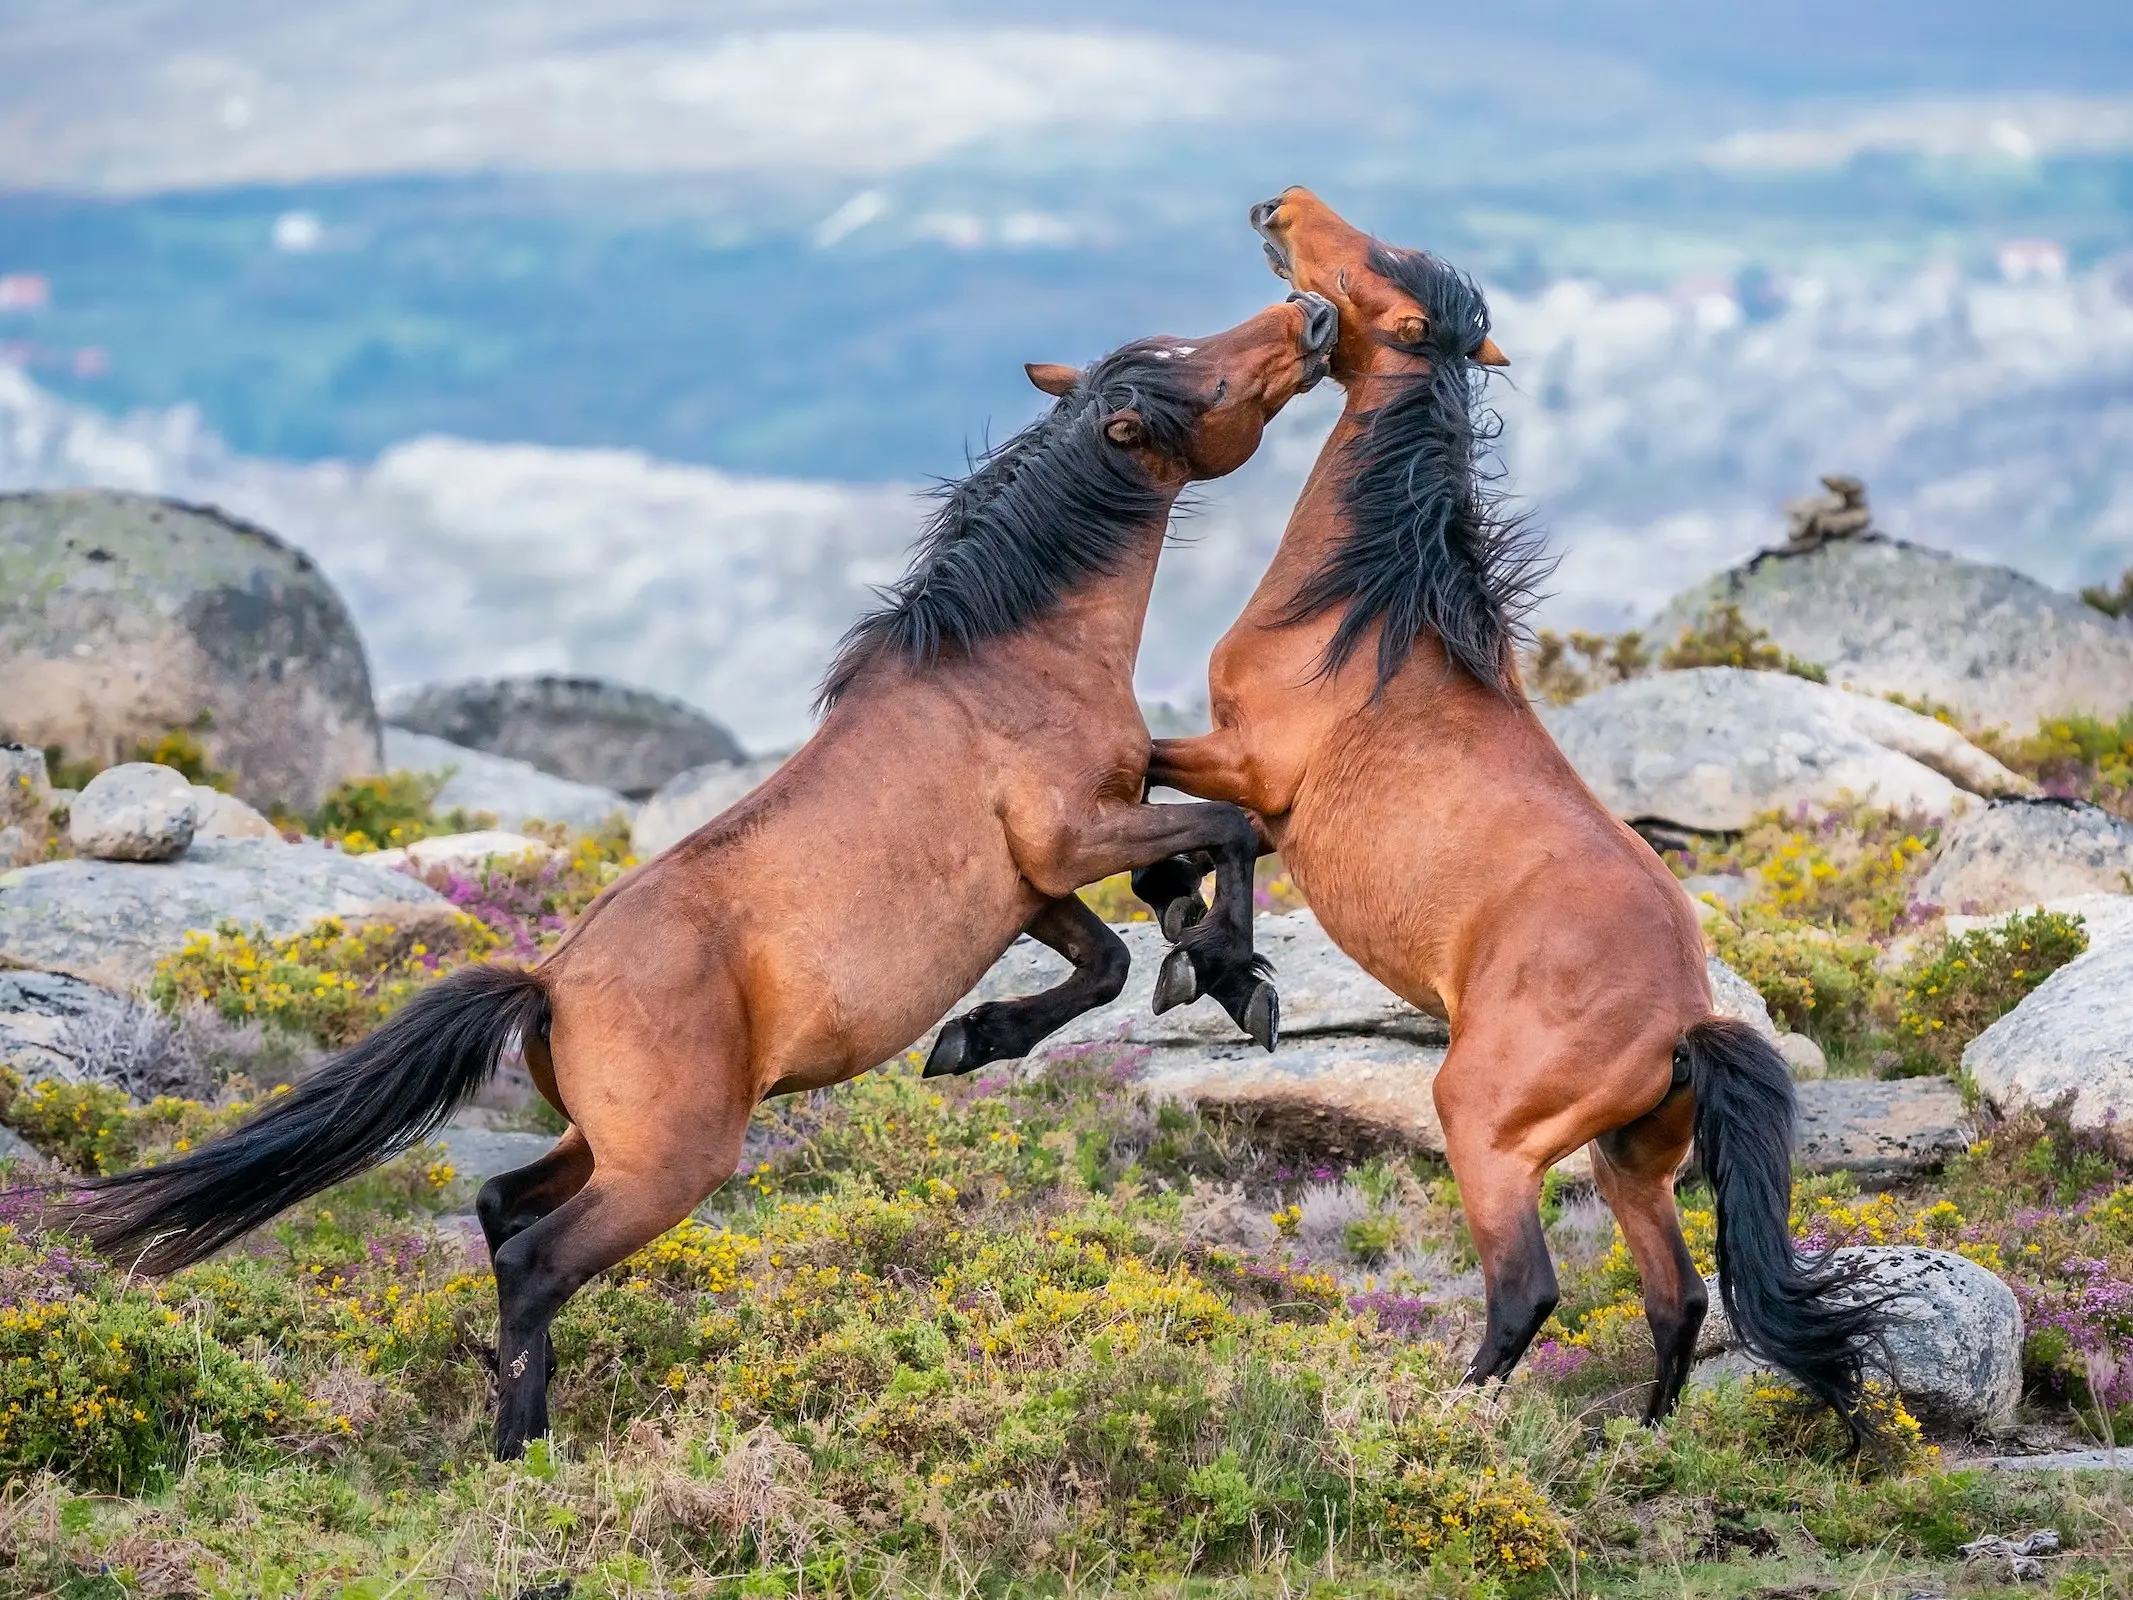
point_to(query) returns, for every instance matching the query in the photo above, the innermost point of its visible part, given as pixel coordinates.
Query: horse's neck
(1316, 523)
(1100, 621)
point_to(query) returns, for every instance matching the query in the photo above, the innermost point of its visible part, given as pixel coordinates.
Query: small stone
(1804, 1056)
(138, 811)
(18, 1152)
(479, 1154)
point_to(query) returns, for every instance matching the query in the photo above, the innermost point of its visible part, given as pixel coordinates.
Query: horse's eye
(1221, 389)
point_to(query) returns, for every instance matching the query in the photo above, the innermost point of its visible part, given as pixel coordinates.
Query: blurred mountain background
(619, 339)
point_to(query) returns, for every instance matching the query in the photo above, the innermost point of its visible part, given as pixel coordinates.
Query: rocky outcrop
(1952, 1342)
(110, 922)
(123, 617)
(689, 801)
(515, 793)
(2068, 1039)
(1887, 617)
(2018, 853)
(136, 811)
(585, 729)
(1710, 748)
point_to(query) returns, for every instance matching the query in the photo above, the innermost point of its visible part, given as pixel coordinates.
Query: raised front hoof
(1186, 911)
(1261, 1017)
(1178, 984)
(954, 1052)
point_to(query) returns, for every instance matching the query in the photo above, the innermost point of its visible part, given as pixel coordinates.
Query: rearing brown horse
(1367, 708)
(981, 758)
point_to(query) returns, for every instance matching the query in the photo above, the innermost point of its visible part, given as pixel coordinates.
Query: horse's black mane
(1430, 547)
(1054, 506)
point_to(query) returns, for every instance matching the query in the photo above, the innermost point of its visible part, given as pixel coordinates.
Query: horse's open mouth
(1277, 253)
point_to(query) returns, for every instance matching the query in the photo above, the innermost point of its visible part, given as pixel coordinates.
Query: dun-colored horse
(1367, 708)
(980, 758)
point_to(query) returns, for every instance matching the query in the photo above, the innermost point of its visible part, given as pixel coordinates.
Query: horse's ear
(1124, 428)
(1412, 328)
(1489, 356)
(1051, 377)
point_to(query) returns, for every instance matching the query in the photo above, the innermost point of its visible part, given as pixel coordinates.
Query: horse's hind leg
(1633, 1168)
(511, 1202)
(1001, 1030)
(663, 1120)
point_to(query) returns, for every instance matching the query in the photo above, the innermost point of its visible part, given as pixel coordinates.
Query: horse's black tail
(1814, 1319)
(370, 1102)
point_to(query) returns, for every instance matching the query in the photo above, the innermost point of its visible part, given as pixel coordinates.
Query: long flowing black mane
(1054, 506)
(1430, 547)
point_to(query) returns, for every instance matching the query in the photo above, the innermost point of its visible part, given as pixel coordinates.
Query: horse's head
(1385, 328)
(1188, 409)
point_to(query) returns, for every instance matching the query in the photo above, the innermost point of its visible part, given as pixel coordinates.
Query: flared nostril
(1263, 213)
(1322, 323)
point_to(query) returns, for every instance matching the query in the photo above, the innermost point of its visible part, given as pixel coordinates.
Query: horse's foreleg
(1215, 956)
(1208, 766)
(1002, 1030)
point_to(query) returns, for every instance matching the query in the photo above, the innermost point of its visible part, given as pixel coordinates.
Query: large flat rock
(1880, 1131)
(1356, 1066)
(110, 922)
(1712, 748)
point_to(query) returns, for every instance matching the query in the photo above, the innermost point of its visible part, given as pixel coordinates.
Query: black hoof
(1182, 913)
(1177, 984)
(1262, 1016)
(952, 1053)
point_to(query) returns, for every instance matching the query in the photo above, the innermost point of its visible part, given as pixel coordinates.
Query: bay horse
(1367, 710)
(980, 757)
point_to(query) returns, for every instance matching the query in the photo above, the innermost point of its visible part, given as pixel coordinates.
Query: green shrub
(1973, 980)
(1561, 669)
(2085, 757)
(330, 984)
(2111, 602)
(1816, 981)
(1722, 638)
(383, 812)
(109, 1385)
(96, 1128)
(181, 749)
